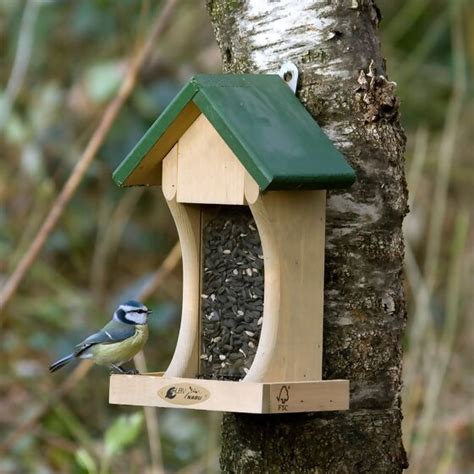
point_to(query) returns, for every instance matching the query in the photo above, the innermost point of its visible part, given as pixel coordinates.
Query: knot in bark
(376, 96)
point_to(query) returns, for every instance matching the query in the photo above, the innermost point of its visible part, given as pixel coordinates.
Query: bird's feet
(117, 369)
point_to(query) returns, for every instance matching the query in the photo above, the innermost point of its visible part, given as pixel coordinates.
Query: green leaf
(85, 460)
(122, 433)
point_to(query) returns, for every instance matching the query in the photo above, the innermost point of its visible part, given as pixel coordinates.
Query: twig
(214, 421)
(108, 238)
(151, 414)
(417, 164)
(168, 265)
(152, 424)
(70, 187)
(21, 61)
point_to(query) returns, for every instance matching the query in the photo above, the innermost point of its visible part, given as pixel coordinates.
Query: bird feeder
(244, 169)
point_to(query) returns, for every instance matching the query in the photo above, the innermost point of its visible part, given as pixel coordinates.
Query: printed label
(283, 397)
(184, 394)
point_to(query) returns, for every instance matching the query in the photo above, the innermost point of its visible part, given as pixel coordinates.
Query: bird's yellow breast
(120, 352)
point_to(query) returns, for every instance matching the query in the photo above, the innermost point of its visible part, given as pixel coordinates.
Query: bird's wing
(109, 334)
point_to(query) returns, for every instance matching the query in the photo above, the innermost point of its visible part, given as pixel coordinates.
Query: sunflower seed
(231, 301)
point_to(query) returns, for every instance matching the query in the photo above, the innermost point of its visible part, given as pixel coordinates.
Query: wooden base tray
(247, 397)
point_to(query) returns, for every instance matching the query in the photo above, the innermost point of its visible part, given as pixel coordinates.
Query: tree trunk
(343, 84)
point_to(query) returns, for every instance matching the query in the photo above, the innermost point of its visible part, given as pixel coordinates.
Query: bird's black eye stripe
(139, 311)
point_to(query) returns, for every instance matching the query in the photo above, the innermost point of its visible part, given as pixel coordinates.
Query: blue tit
(117, 342)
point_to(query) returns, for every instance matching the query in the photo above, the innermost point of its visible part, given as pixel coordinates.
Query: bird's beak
(149, 311)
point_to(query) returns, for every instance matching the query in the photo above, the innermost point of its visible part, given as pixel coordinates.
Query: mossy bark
(344, 85)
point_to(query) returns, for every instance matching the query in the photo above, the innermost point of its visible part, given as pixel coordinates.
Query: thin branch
(152, 424)
(168, 265)
(108, 238)
(151, 414)
(71, 185)
(21, 61)
(417, 165)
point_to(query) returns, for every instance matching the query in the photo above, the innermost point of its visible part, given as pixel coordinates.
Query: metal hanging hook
(289, 73)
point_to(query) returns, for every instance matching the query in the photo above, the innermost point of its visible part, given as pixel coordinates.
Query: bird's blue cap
(133, 303)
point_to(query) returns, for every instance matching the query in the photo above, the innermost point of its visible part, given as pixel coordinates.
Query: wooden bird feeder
(244, 169)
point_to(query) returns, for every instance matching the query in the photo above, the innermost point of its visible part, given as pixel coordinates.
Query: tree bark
(344, 85)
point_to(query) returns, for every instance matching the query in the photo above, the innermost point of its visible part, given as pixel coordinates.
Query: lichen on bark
(344, 85)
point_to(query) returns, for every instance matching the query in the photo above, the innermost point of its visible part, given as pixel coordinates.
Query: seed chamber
(232, 290)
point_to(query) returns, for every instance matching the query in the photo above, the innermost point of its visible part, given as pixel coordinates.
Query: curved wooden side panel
(291, 226)
(185, 361)
(271, 297)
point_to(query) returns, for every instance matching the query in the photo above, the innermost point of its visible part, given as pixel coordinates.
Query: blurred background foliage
(61, 62)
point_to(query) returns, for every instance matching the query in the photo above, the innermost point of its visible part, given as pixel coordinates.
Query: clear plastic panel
(232, 292)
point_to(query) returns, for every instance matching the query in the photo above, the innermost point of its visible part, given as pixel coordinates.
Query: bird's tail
(61, 363)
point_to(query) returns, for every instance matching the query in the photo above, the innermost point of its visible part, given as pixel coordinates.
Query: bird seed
(232, 293)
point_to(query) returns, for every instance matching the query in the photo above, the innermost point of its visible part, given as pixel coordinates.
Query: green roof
(262, 122)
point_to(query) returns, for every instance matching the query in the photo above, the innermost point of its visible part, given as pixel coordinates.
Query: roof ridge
(263, 123)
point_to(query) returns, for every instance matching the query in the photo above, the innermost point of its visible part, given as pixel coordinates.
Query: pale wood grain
(292, 229)
(323, 395)
(245, 397)
(149, 170)
(170, 174)
(208, 171)
(188, 223)
(251, 189)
